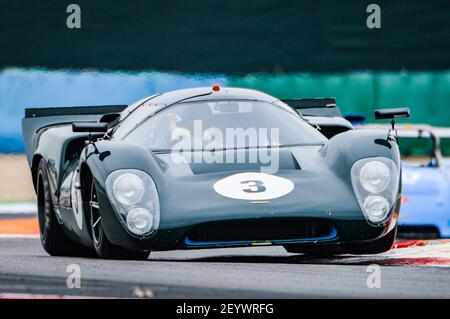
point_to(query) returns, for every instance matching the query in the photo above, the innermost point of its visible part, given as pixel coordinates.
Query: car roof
(442, 131)
(157, 102)
(412, 130)
(137, 113)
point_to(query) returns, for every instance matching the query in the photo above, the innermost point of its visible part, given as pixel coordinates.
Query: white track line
(41, 296)
(18, 208)
(18, 236)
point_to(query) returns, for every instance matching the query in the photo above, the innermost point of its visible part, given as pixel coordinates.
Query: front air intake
(260, 230)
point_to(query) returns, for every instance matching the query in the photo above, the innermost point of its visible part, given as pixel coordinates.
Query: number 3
(254, 186)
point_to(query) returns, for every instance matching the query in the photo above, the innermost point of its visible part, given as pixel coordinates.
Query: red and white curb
(434, 253)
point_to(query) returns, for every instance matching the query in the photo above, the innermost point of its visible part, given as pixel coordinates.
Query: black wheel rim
(96, 219)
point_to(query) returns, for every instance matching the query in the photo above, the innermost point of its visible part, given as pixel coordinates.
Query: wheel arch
(86, 178)
(344, 149)
(34, 168)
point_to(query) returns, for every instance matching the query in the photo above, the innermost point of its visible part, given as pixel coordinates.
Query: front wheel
(104, 248)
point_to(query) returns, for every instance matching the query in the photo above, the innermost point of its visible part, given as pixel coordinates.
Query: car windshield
(445, 146)
(224, 124)
(417, 150)
(445, 149)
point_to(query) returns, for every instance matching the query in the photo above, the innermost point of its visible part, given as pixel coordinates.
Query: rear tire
(53, 238)
(104, 248)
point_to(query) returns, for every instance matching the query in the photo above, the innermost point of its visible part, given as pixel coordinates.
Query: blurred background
(128, 50)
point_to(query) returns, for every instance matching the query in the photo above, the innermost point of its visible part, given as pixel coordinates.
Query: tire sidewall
(45, 206)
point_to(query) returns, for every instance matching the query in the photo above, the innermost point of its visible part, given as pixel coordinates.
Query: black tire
(375, 247)
(53, 238)
(104, 248)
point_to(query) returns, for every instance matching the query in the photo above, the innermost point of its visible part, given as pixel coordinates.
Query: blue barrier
(22, 88)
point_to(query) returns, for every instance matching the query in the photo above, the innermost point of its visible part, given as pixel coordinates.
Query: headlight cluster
(134, 195)
(375, 181)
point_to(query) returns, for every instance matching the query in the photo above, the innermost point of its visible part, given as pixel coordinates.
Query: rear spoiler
(74, 110)
(38, 118)
(315, 107)
(311, 103)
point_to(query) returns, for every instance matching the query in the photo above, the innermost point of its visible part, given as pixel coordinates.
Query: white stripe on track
(41, 296)
(18, 208)
(18, 236)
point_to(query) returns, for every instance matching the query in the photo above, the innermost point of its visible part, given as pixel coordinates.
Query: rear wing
(73, 110)
(39, 118)
(315, 107)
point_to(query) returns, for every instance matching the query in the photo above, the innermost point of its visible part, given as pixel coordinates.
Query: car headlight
(128, 189)
(139, 221)
(375, 182)
(377, 207)
(375, 176)
(135, 198)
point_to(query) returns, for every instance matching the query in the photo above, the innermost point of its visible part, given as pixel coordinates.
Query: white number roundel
(253, 186)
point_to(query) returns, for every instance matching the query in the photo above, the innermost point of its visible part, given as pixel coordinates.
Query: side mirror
(110, 118)
(383, 114)
(91, 127)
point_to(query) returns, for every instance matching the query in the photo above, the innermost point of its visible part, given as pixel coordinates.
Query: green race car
(207, 168)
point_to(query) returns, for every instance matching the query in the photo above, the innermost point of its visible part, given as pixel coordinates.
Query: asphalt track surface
(254, 272)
